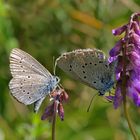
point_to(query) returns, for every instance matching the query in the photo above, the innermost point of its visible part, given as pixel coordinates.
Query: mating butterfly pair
(32, 82)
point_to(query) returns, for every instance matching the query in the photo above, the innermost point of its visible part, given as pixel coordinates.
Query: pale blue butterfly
(31, 81)
(90, 66)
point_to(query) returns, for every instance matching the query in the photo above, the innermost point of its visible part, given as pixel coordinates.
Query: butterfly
(89, 66)
(31, 81)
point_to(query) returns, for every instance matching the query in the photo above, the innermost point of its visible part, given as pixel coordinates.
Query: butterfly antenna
(91, 102)
(54, 65)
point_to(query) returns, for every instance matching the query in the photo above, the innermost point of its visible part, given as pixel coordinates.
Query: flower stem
(127, 116)
(123, 90)
(54, 121)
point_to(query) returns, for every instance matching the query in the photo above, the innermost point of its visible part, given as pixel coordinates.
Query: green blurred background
(45, 29)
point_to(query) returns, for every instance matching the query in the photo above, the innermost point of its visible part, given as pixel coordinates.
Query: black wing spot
(106, 65)
(83, 71)
(83, 66)
(69, 69)
(70, 66)
(29, 97)
(90, 63)
(29, 76)
(94, 82)
(95, 64)
(99, 55)
(100, 61)
(21, 83)
(106, 83)
(27, 92)
(102, 80)
(20, 62)
(23, 90)
(85, 77)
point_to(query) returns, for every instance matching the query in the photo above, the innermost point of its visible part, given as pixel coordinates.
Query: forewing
(65, 62)
(93, 69)
(90, 66)
(22, 63)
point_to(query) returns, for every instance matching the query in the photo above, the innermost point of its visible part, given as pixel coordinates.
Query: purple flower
(133, 93)
(118, 96)
(116, 49)
(49, 111)
(58, 96)
(112, 59)
(136, 27)
(127, 53)
(119, 30)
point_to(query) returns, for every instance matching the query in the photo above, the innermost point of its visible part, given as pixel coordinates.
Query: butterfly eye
(101, 93)
(57, 78)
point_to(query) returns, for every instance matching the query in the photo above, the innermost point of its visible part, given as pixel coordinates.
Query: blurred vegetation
(47, 28)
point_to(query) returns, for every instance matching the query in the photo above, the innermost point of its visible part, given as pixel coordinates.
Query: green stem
(127, 116)
(54, 121)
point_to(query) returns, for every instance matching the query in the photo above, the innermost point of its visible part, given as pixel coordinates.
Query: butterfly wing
(90, 66)
(37, 104)
(22, 63)
(31, 81)
(29, 88)
(65, 62)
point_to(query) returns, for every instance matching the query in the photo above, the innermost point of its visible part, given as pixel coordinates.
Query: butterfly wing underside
(30, 80)
(90, 66)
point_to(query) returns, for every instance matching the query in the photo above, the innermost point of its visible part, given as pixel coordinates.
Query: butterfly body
(90, 66)
(31, 82)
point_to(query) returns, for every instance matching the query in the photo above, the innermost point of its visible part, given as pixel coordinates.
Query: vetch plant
(127, 54)
(58, 96)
